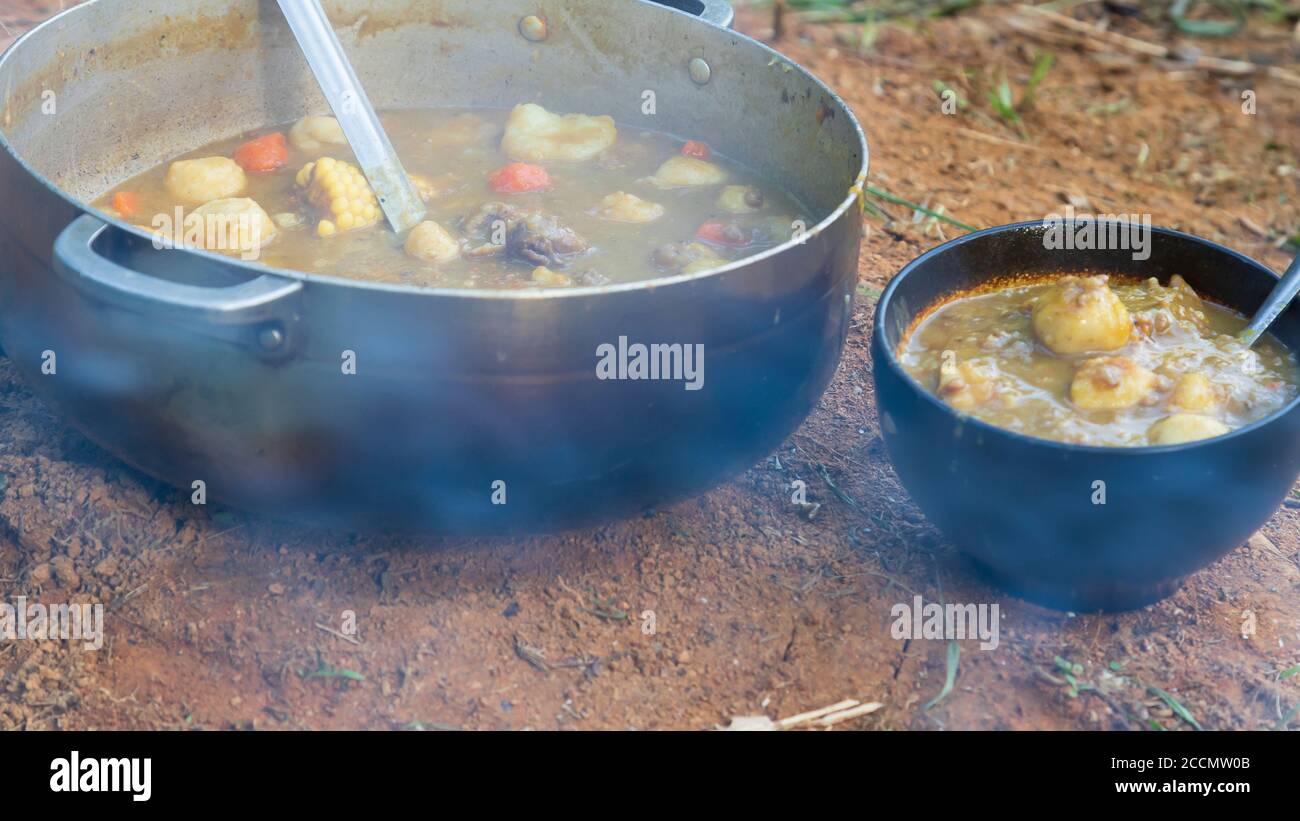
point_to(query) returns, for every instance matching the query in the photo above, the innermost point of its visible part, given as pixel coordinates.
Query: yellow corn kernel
(340, 195)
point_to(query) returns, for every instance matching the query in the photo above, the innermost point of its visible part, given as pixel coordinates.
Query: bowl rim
(896, 367)
(502, 295)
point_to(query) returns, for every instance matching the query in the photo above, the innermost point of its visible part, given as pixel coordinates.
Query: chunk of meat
(1111, 383)
(534, 134)
(526, 235)
(1081, 315)
(1153, 322)
(964, 385)
(1186, 305)
(740, 199)
(686, 258)
(1171, 307)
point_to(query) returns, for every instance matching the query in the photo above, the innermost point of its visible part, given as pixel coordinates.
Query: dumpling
(1110, 383)
(1185, 427)
(685, 172)
(195, 182)
(317, 134)
(430, 242)
(1081, 315)
(624, 207)
(1194, 392)
(545, 276)
(534, 134)
(232, 226)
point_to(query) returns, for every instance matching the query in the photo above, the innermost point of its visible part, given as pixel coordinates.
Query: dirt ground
(220, 620)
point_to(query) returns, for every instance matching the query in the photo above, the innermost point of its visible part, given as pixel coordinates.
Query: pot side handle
(77, 261)
(717, 12)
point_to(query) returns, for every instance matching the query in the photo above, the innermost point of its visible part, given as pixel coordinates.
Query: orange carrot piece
(263, 155)
(126, 203)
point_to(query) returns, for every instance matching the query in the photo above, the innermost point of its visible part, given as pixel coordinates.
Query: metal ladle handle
(397, 197)
(1281, 296)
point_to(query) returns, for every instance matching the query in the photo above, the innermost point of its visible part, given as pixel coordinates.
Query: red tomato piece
(518, 177)
(721, 233)
(696, 149)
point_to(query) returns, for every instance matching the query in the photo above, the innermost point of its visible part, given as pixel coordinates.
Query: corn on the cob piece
(340, 194)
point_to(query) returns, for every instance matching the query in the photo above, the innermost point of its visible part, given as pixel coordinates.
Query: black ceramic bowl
(1024, 508)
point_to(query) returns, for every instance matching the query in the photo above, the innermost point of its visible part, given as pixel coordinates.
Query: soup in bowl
(1095, 360)
(1035, 403)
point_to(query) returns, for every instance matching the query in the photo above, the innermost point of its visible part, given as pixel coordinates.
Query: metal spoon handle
(398, 198)
(1281, 296)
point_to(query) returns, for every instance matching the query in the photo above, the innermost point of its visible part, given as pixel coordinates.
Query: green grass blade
(1179, 710)
(888, 197)
(954, 655)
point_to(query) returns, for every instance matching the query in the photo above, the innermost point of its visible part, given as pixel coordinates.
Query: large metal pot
(196, 368)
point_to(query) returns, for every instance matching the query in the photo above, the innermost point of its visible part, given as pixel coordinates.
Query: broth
(452, 156)
(1088, 361)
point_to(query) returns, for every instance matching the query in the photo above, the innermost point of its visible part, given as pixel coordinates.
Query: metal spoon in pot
(1285, 291)
(397, 197)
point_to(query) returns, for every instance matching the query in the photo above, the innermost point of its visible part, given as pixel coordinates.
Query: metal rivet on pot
(270, 337)
(700, 71)
(533, 28)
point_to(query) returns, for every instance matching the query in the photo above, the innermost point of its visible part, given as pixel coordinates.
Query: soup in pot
(516, 199)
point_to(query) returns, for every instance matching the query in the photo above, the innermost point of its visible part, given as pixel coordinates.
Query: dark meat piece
(543, 240)
(671, 257)
(591, 277)
(676, 256)
(530, 236)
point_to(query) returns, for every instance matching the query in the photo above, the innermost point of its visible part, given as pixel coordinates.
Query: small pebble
(65, 571)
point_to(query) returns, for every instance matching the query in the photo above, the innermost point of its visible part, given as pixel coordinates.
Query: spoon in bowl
(399, 200)
(1281, 296)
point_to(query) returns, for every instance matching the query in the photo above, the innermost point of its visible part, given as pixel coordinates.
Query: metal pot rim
(258, 269)
(985, 428)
